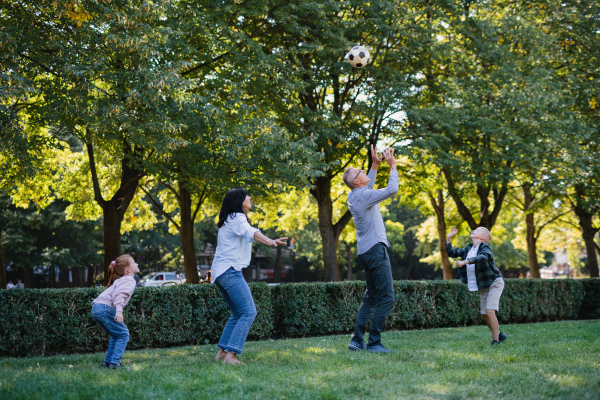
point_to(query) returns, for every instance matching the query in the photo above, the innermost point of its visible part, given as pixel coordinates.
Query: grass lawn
(546, 360)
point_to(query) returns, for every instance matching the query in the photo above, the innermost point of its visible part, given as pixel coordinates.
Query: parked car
(162, 279)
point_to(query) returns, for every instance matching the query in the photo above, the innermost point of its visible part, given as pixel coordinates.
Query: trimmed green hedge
(54, 321)
(51, 321)
(590, 306)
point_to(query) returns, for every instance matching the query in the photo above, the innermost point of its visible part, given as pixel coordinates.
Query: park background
(124, 122)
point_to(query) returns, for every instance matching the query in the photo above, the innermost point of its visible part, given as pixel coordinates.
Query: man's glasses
(356, 175)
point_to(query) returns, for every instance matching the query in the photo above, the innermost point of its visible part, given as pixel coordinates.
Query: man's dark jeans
(379, 295)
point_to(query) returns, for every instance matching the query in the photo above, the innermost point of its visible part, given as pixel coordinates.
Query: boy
(480, 274)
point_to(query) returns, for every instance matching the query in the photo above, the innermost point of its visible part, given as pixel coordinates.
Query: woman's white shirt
(234, 245)
(471, 277)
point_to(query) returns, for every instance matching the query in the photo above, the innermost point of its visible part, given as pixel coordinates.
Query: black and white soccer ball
(358, 56)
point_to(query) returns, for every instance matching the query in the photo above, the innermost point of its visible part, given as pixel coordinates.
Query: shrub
(590, 306)
(53, 321)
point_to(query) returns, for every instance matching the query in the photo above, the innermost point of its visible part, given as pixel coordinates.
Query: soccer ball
(358, 56)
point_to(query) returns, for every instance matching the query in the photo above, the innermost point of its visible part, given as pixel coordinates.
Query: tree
(316, 94)
(108, 75)
(574, 27)
(474, 113)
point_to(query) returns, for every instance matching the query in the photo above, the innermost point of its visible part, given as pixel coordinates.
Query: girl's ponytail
(116, 269)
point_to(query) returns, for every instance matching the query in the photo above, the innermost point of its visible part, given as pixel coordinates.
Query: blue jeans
(379, 297)
(119, 334)
(236, 293)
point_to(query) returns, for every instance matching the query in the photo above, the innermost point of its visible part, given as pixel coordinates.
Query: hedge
(58, 321)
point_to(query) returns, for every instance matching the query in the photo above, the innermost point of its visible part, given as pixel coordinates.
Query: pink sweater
(118, 294)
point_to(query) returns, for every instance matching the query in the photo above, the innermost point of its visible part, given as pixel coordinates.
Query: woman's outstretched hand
(280, 242)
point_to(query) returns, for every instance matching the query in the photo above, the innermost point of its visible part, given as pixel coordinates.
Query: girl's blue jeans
(119, 334)
(237, 294)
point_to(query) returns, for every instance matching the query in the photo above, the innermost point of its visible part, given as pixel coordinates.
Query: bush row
(55, 321)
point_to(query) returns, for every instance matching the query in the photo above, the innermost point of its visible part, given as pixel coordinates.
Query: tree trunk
(349, 261)
(112, 236)
(486, 219)
(588, 232)
(75, 273)
(534, 267)
(114, 210)
(277, 267)
(187, 234)
(438, 206)
(52, 276)
(2, 271)
(409, 264)
(28, 278)
(330, 233)
(293, 257)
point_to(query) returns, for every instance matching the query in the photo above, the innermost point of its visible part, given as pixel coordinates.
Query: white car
(162, 279)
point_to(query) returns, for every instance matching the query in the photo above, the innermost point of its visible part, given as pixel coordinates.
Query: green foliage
(590, 306)
(44, 322)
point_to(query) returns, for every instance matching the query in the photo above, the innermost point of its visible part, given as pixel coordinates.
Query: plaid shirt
(486, 270)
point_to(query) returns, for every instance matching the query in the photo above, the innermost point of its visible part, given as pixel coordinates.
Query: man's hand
(119, 316)
(389, 157)
(376, 159)
(451, 234)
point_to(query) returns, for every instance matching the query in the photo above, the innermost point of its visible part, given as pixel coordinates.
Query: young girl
(107, 309)
(234, 250)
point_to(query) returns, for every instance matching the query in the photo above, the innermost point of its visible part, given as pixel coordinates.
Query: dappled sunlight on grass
(568, 380)
(437, 388)
(443, 363)
(319, 350)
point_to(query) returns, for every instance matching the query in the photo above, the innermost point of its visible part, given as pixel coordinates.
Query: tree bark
(588, 232)
(28, 278)
(409, 264)
(534, 267)
(187, 234)
(438, 206)
(3, 282)
(330, 233)
(486, 219)
(114, 209)
(277, 267)
(52, 276)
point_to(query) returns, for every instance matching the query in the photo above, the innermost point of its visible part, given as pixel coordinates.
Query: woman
(234, 250)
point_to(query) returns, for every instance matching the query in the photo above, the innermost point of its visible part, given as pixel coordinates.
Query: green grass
(546, 360)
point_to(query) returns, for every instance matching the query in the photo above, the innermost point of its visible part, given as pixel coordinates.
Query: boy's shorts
(490, 297)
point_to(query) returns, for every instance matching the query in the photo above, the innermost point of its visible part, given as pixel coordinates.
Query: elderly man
(373, 244)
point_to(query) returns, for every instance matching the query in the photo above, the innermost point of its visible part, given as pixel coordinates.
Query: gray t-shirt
(363, 204)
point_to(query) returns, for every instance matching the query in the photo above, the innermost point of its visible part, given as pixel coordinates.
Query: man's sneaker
(115, 366)
(378, 348)
(495, 342)
(104, 364)
(501, 337)
(356, 346)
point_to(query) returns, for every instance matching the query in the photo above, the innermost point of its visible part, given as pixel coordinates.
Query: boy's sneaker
(378, 348)
(495, 342)
(356, 346)
(501, 337)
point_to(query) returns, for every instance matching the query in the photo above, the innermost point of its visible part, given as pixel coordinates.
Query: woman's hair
(116, 269)
(232, 203)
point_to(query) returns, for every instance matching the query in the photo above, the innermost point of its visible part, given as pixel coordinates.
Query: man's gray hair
(347, 176)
